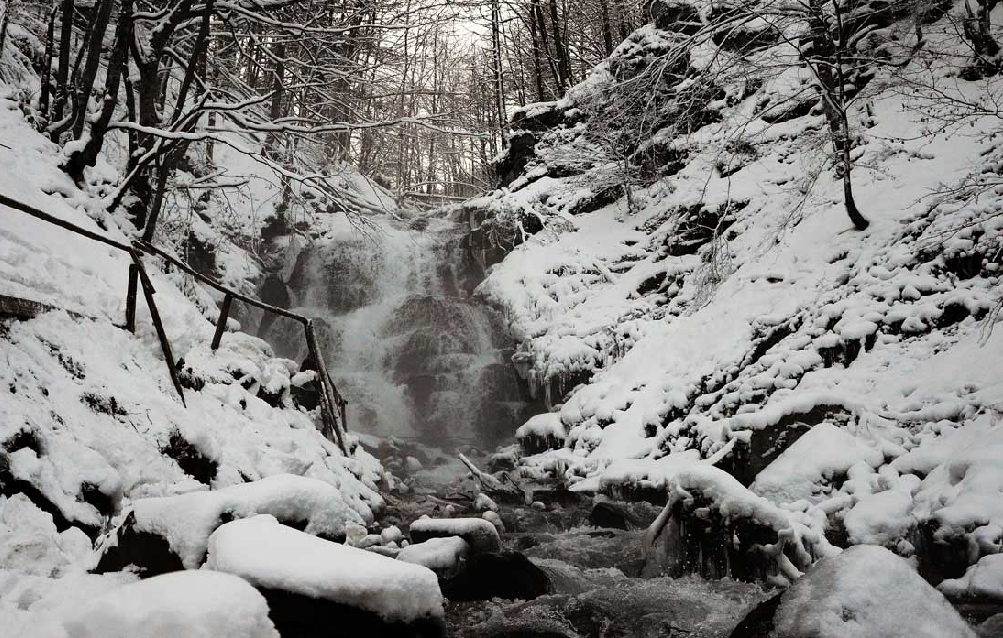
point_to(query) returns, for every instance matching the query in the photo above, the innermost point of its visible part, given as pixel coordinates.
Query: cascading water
(413, 352)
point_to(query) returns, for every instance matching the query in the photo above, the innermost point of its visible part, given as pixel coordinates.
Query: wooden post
(165, 345)
(327, 405)
(224, 312)
(130, 299)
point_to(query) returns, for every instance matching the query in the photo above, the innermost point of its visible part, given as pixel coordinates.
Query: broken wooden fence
(332, 405)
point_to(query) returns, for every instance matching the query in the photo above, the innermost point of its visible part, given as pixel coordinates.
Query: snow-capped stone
(186, 521)
(284, 562)
(354, 533)
(479, 533)
(391, 534)
(981, 582)
(864, 591)
(441, 554)
(412, 465)
(194, 604)
(496, 520)
(484, 503)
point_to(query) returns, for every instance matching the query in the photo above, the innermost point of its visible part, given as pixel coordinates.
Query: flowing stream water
(414, 352)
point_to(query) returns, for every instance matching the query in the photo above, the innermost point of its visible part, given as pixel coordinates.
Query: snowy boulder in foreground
(442, 555)
(314, 586)
(172, 532)
(479, 533)
(865, 592)
(193, 604)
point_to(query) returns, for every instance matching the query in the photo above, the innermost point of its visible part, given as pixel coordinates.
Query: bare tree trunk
(63, 70)
(560, 49)
(117, 66)
(607, 31)
(46, 87)
(95, 45)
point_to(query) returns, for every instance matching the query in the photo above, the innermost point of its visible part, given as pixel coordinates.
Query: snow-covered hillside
(735, 309)
(90, 423)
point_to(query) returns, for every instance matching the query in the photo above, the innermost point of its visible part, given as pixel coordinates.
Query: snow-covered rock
(440, 554)
(186, 521)
(194, 604)
(483, 503)
(30, 543)
(412, 465)
(481, 535)
(982, 582)
(864, 591)
(293, 568)
(495, 519)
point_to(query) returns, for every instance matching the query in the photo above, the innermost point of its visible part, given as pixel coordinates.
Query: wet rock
(507, 575)
(590, 550)
(622, 515)
(865, 591)
(299, 616)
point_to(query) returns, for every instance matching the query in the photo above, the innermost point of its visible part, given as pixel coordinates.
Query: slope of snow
(658, 355)
(89, 419)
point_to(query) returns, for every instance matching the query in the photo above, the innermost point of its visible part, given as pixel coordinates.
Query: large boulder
(865, 592)
(316, 588)
(194, 604)
(172, 532)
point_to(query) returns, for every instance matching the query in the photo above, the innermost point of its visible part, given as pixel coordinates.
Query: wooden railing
(332, 405)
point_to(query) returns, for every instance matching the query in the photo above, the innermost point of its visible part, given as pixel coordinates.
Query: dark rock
(298, 616)
(497, 575)
(149, 552)
(991, 628)
(609, 515)
(520, 151)
(613, 549)
(190, 459)
(758, 623)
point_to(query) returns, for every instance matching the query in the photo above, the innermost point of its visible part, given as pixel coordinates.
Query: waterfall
(412, 350)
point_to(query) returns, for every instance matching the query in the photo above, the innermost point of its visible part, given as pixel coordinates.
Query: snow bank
(30, 543)
(194, 604)
(187, 520)
(274, 556)
(652, 338)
